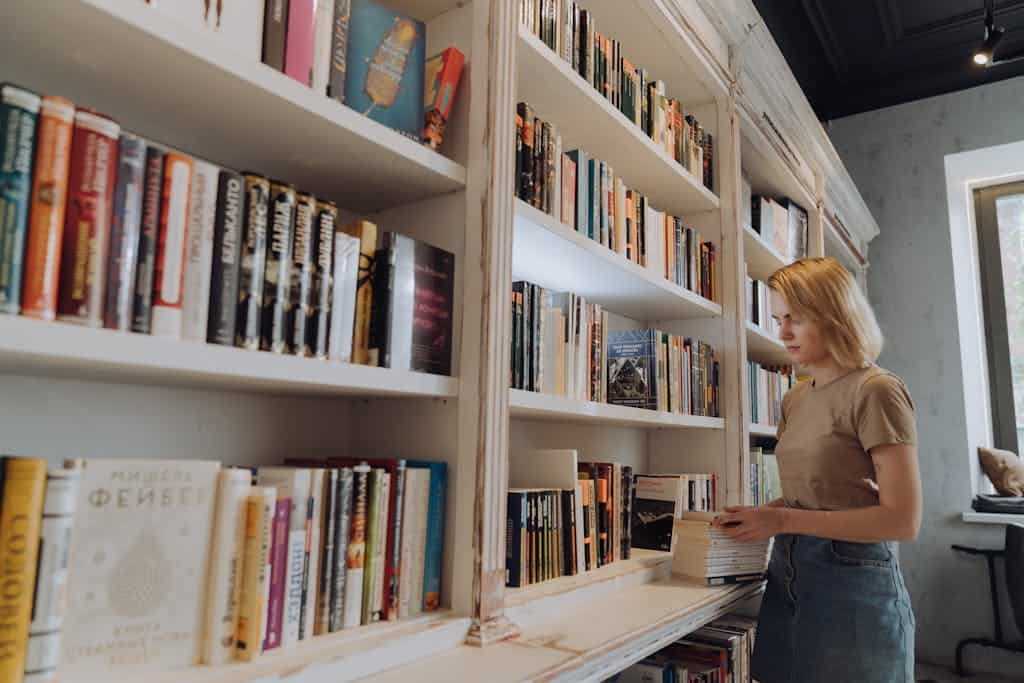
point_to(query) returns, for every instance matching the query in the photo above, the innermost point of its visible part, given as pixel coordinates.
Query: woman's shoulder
(877, 383)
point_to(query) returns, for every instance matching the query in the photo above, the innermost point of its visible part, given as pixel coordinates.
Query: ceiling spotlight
(993, 34)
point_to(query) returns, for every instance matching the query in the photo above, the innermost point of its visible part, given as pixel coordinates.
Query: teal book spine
(19, 113)
(435, 532)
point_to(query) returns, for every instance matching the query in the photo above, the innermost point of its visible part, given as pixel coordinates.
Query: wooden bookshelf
(764, 347)
(534, 405)
(550, 253)
(762, 430)
(762, 258)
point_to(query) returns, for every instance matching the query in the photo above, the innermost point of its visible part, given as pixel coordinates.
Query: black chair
(1013, 556)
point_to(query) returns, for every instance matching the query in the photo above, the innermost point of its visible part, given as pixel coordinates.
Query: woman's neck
(826, 371)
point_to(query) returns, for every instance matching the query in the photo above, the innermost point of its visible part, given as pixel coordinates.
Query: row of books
(767, 386)
(781, 223)
(765, 484)
(107, 229)
(169, 563)
(586, 194)
(660, 499)
(759, 306)
(569, 30)
(719, 652)
(562, 345)
(359, 52)
(708, 554)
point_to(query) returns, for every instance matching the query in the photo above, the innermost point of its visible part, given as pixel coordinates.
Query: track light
(983, 56)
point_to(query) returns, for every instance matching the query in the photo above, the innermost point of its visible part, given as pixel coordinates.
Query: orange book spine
(20, 524)
(170, 255)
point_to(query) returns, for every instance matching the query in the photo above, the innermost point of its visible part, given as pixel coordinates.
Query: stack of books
(708, 554)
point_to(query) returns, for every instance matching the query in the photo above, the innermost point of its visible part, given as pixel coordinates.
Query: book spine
(277, 282)
(314, 540)
(252, 607)
(275, 32)
(298, 58)
(439, 109)
(278, 574)
(346, 496)
(366, 232)
(301, 313)
(19, 116)
(254, 262)
(20, 526)
(125, 223)
(224, 272)
(375, 486)
(325, 580)
(44, 639)
(344, 297)
(87, 219)
(435, 534)
(195, 303)
(319, 325)
(322, 26)
(142, 297)
(294, 580)
(356, 553)
(339, 50)
(170, 251)
(393, 572)
(380, 557)
(513, 539)
(46, 215)
(384, 305)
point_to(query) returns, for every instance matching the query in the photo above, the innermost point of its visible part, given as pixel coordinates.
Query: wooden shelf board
(534, 405)
(765, 348)
(553, 255)
(762, 258)
(587, 120)
(763, 430)
(992, 518)
(166, 81)
(53, 348)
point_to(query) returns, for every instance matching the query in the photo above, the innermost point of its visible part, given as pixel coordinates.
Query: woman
(835, 607)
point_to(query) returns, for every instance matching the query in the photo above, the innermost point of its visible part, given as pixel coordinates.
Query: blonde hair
(825, 293)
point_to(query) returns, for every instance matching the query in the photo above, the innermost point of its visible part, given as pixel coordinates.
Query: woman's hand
(751, 524)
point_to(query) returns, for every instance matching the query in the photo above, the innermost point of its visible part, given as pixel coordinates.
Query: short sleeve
(885, 413)
(782, 418)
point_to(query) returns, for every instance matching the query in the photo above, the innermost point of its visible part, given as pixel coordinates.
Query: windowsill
(992, 518)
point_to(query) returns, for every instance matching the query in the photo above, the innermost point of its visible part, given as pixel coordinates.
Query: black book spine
(227, 249)
(253, 266)
(275, 32)
(519, 155)
(319, 328)
(125, 223)
(277, 283)
(142, 301)
(380, 311)
(526, 153)
(339, 50)
(626, 491)
(302, 275)
(322, 617)
(568, 539)
(514, 540)
(527, 336)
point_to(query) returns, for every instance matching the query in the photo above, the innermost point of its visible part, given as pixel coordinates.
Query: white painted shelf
(30, 346)
(765, 348)
(554, 255)
(764, 165)
(763, 430)
(534, 405)
(585, 119)
(837, 247)
(762, 258)
(166, 81)
(992, 518)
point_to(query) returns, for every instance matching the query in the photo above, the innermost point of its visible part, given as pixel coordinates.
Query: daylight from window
(1010, 216)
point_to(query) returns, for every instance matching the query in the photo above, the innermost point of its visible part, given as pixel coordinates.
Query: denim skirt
(834, 611)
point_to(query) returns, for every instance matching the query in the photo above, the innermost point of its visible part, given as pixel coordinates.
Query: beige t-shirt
(827, 432)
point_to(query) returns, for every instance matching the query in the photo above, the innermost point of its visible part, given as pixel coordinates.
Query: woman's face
(802, 337)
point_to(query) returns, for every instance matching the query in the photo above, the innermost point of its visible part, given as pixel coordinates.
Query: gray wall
(895, 156)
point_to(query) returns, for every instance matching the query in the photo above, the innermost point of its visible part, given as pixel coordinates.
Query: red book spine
(93, 171)
(278, 569)
(298, 58)
(170, 252)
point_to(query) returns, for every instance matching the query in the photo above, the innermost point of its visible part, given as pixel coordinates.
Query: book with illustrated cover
(19, 115)
(357, 551)
(657, 501)
(442, 82)
(632, 368)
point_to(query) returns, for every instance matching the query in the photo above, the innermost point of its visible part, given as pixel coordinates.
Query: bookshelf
(765, 347)
(74, 392)
(766, 431)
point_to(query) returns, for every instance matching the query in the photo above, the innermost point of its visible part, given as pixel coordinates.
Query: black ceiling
(856, 55)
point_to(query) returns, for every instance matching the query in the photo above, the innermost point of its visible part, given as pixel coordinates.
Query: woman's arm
(897, 517)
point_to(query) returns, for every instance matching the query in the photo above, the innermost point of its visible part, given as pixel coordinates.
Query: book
(253, 267)
(385, 66)
(238, 26)
(357, 548)
(170, 250)
(145, 260)
(376, 502)
(228, 232)
(152, 519)
(277, 583)
(441, 84)
(91, 181)
(24, 488)
(277, 279)
(125, 223)
(301, 304)
(323, 24)
(261, 505)
(393, 565)
(366, 233)
(196, 283)
(46, 214)
(323, 279)
(325, 578)
(298, 57)
(339, 50)
(657, 501)
(275, 33)
(344, 529)
(435, 532)
(19, 114)
(311, 560)
(632, 369)
(344, 299)
(416, 502)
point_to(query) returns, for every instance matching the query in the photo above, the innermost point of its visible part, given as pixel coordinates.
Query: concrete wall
(896, 157)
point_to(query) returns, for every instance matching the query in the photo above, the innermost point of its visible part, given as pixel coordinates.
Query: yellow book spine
(366, 232)
(252, 603)
(20, 522)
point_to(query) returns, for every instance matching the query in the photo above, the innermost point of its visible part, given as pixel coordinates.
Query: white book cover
(311, 579)
(322, 24)
(139, 554)
(414, 541)
(237, 24)
(343, 305)
(195, 303)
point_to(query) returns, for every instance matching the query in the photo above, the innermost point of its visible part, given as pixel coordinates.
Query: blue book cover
(435, 532)
(19, 112)
(385, 67)
(633, 369)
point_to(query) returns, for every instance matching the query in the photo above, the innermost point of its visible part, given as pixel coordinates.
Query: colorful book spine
(435, 532)
(46, 215)
(356, 552)
(145, 266)
(311, 560)
(278, 574)
(254, 262)
(87, 219)
(224, 580)
(301, 313)
(298, 57)
(344, 297)
(392, 574)
(195, 301)
(21, 512)
(170, 251)
(343, 529)
(44, 639)
(374, 503)
(19, 115)
(339, 50)
(125, 223)
(259, 533)
(228, 232)
(366, 233)
(277, 282)
(319, 327)
(275, 33)
(325, 580)
(442, 82)
(322, 27)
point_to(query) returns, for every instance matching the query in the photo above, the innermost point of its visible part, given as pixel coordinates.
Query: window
(1000, 218)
